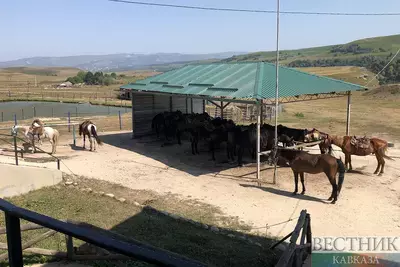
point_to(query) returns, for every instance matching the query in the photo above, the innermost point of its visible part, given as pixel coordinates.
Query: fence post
(15, 119)
(73, 134)
(34, 111)
(2, 116)
(58, 164)
(13, 230)
(15, 148)
(120, 121)
(23, 116)
(76, 111)
(69, 121)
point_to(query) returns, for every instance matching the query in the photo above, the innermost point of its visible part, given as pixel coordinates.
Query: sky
(89, 27)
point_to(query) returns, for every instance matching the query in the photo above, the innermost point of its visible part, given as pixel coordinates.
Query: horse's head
(325, 145)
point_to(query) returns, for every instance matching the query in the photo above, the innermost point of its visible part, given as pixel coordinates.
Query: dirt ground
(368, 205)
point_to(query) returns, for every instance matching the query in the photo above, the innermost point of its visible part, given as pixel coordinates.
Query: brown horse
(302, 162)
(376, 146)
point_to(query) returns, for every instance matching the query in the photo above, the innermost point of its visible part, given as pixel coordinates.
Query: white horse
(48, 132)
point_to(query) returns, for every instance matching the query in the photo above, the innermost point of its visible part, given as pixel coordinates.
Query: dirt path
(367, 202)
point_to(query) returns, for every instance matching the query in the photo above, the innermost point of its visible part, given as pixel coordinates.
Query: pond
(32, 109)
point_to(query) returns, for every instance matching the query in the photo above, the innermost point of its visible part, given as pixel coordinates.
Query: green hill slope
(377, 46)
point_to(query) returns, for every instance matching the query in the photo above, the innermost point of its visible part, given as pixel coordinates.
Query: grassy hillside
(377, 46)
(24, 76)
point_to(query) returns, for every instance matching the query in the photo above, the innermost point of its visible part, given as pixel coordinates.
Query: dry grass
(369, 116)
(147, 225)
(347, 73)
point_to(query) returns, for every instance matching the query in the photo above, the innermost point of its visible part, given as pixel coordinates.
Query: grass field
(147, 225)
(389, 44)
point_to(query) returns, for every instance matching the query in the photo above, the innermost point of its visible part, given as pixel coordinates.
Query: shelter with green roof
(188, 87)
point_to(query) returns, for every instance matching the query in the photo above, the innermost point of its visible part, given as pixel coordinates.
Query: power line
(255, 10)
(390, 61)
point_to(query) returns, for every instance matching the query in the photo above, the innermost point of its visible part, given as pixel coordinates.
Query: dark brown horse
(302, 162)
(376, 146)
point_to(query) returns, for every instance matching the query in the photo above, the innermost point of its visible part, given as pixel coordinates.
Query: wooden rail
(124, 248)
(295, 254)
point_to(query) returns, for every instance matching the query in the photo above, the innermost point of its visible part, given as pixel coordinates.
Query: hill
(113, 62)
(28, 76)
(377, 46)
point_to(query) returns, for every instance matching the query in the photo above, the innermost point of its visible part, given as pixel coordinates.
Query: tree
(89, 78)
(114, 75)
(98, 78)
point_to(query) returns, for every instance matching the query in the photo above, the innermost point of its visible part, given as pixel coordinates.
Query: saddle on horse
(362, 142)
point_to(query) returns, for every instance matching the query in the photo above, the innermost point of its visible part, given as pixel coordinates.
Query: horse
(376, 146)
(89, 128)
(302, 162)
(48, 132)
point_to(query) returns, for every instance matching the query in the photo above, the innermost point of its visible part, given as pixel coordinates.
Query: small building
(65, 85)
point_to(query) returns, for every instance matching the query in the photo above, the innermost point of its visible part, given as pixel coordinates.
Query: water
(34, 109)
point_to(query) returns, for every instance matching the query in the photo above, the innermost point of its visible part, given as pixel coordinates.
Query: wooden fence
(296, 254)
(242, 112)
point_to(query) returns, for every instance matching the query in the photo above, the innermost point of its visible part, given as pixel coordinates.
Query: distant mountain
(114, 62)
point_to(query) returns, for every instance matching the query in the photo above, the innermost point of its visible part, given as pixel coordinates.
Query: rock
(242, 237)
(75, 184)
(258, 244)
(214, 229)
(176, 217)
(69, 183)
(122, 200)
(137, 204)
(205, 226)
(101, 193)
(110, 195)
(89, 190)
(231, 235)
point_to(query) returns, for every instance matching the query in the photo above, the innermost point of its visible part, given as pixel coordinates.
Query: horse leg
(296, 181)
(33, 144)
(351, 167)
(84, 140)
(240, 155)
(91, 143)
(379, 163)
(212, 149)
(334, 194)
(302, 182)
(382, 162)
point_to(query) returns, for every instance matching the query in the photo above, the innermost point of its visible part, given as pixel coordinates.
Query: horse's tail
(342, 170)
(80, 129)
(93, 130)
(384, 150)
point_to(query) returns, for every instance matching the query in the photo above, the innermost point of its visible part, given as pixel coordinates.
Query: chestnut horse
(302, 162)
(376, 146)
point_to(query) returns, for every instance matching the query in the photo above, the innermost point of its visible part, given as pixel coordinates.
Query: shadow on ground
(177, 156)
(286, 193)
(153, 228)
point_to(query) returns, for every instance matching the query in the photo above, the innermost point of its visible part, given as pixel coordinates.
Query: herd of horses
(201, 127)
(241, 138)
(38, 131)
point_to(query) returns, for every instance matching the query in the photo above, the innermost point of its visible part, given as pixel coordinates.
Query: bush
(299, 115)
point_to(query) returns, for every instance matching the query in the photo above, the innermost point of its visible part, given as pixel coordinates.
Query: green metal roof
(252, 80)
